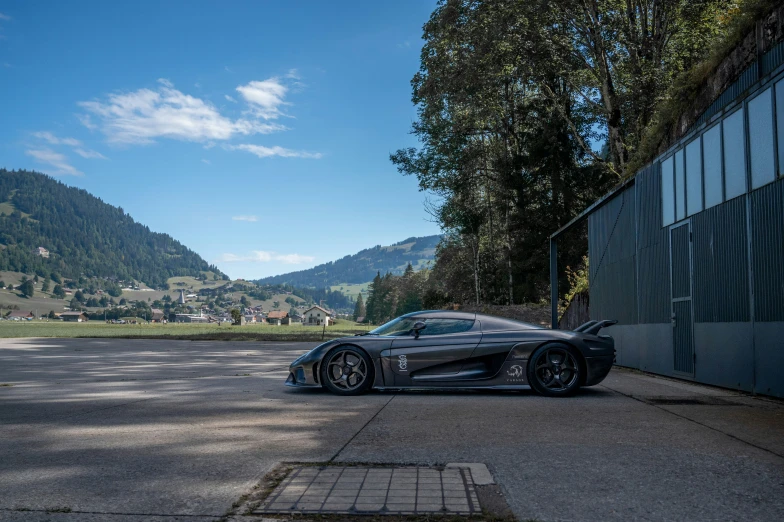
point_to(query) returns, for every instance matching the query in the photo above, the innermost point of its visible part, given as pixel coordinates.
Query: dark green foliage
(391, 296)
(58, 291)
(27, 288)
(514, 99)
(51, 315)
(2, 284)
(236, 316)
(45, 285)
(359, 268)
(84, 235)
(359, 308)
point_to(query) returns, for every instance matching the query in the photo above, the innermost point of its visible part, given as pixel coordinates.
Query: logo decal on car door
(402, 363)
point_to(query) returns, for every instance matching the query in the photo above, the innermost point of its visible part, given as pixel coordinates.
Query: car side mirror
(418, 327)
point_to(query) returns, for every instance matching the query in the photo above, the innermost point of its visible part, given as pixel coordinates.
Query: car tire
(556, 370)
(347, 370)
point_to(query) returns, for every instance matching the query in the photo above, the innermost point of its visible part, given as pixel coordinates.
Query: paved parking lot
(125, 430)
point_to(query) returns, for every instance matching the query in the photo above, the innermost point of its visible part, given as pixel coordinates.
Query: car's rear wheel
(555, 370)
(347, 370)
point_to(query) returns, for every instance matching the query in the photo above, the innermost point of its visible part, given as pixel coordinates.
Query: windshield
(399, 326)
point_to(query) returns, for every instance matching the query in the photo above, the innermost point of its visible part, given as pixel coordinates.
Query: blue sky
(256, 133)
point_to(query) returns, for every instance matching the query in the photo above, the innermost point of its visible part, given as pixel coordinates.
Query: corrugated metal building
(688, 255)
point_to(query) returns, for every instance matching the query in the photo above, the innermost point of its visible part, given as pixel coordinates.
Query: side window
(711, 160)
(693, 177)
(446, 326)
(668, 192)
(763, 170)
(680, 187)
(780, 122)
(734, 155)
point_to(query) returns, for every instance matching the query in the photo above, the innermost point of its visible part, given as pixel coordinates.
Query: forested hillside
(363, 266)
(83, 235)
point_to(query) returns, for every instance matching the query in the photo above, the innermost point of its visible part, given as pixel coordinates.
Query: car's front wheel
(347, 370)
(554, 370)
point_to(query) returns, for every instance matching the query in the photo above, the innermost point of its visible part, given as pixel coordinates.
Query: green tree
(79, 296)
(372, 308)
(45, 285)
(51, 315)
(58, 292)
(75, 304)
(236, 316)
(2, 284)
(359, 308)
(27, 288)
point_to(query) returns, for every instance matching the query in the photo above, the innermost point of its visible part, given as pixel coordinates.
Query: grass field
(195, 332)
(352, 289)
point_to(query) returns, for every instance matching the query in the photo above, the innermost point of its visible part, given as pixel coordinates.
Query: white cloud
(261, 256)
(252, 219)
(54, 140)
(141, 116)
(4, 17)
(54, 159)
(265, 97)
(85, 120)
(232, 100)
(293, 74)
(208, 162)
(71, 142)
(266, 152)
(89, 153)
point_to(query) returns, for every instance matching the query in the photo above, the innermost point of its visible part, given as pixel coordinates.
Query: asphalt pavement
(126, 430)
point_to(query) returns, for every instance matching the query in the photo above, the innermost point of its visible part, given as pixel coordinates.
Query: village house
(18, 315)
(317, 316)
(74, 317)
(41, 251)
(278, 318)
(157, 316)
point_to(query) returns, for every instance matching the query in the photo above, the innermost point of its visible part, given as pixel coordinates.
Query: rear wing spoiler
(593, 327)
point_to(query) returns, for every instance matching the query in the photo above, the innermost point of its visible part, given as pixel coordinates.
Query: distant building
(20, 314)
(189, 318)
(317, 316)
(278, 318)
(157, 315)
(41, 251)
(181, 300)
(361, 319)
(74, 317)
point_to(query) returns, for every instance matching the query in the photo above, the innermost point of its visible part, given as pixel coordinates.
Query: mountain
(362, 266)
(83, 235)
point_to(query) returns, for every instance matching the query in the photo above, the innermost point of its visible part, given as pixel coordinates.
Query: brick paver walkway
(374, 490)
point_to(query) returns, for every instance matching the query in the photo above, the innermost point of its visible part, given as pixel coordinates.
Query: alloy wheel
(556, 369)
(347, 370)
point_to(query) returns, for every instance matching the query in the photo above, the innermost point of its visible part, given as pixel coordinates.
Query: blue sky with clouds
(256, 133)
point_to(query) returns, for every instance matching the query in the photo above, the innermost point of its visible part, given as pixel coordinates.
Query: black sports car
(443, 349)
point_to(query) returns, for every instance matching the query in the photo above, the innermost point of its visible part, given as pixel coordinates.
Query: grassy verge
(184, 331)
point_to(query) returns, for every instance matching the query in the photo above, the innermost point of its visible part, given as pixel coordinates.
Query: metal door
(681, 291)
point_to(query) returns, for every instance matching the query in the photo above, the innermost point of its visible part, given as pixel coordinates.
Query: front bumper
(298, 378)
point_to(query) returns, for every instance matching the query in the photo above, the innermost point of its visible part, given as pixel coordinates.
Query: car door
(439, 351)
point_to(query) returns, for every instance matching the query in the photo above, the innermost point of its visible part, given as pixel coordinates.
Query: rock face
(767, 33)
